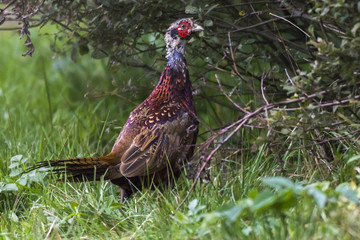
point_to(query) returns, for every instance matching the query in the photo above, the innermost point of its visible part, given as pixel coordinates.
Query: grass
(44, 115)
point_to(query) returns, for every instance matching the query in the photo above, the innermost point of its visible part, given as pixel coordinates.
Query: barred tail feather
(77, 169)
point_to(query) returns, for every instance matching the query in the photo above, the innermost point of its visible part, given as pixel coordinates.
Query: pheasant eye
(183, 29)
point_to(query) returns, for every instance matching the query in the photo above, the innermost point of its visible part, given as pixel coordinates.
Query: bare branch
(282, 18)
(241, 122)
(7, 6)
(229, 98)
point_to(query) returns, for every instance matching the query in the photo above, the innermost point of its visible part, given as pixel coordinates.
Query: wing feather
(154, 148)
(140, 157)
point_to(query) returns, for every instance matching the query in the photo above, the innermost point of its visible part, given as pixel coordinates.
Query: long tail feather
(78, 169)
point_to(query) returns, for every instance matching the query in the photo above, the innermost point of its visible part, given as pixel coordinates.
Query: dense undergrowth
(247, 195)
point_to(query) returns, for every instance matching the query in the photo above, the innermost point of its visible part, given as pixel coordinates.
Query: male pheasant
(159, 135)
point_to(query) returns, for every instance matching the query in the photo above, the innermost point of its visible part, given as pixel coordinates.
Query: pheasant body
(159, 135)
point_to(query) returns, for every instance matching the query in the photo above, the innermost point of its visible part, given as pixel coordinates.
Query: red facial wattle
(183, 29)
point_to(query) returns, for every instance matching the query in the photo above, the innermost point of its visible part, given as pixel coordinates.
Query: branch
(7, 6)
(282, 18)
(37, 9)
(241, 122)
(229, 98)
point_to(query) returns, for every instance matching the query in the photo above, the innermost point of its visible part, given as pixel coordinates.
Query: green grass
(44, 115)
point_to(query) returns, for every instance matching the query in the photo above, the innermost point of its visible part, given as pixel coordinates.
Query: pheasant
(159, 135)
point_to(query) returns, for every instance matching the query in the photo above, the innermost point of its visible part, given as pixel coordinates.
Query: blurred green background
(52, 98)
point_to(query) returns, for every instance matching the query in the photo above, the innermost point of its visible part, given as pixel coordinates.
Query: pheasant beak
(197, 28)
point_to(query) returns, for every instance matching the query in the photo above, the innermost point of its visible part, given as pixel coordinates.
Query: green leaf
(231, 213)
(253, 193)
(189, 9)
(311, 107)
(74, 205)
(193, 204)
(14, 217)
(22, 181)
(285, 200)
(208, 23)
(348, 192)
(181, 217)
(16, 158)
(354, 29)
(263, 201)
(246, 231)
(319, 196)
(24, 160)
(14, 165)
(353, 159)
(211, 8)
(15, 173)
(285, 131)
(290, 88)
(8, 187)
(278, 182)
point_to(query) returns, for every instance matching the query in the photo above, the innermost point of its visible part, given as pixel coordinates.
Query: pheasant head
(177, 35)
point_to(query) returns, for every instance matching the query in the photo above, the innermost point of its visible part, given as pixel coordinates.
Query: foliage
(276, 85)
(272, 214)
(236, 203)
(292, 65)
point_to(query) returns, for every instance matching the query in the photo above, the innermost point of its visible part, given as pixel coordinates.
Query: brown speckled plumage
(160, 133)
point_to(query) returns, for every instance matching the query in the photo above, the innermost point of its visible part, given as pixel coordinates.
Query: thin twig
(262, 23)
(262, 89)
(233, 58)
(282, 18)
(266, 102)
(228, 97)
(236, 69)
(247, 117)
(7, 6)
(289, 78)
(35, 11)
(207, 160)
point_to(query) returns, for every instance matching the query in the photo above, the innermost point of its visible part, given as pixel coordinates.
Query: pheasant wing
(146, 154)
